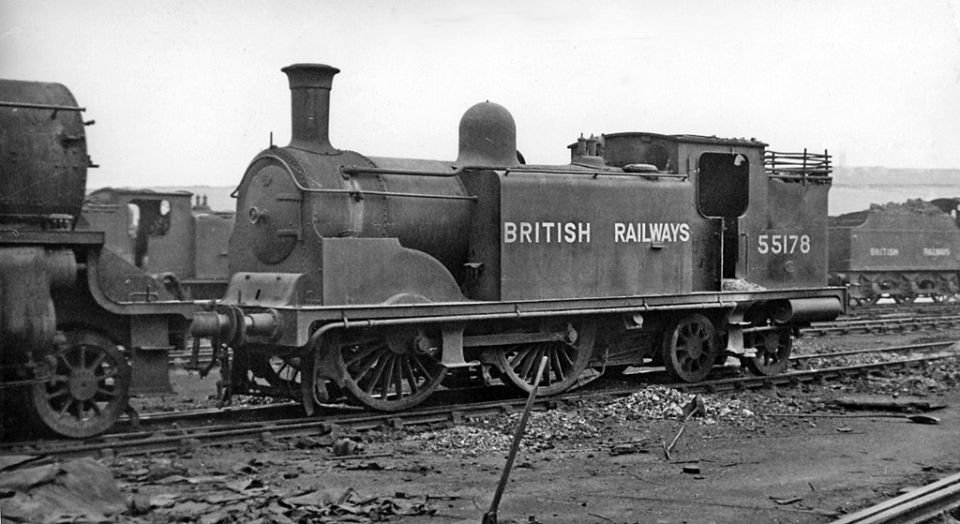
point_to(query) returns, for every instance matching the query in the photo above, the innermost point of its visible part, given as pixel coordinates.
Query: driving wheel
(88, 387)
(388, 370)
(566, 360)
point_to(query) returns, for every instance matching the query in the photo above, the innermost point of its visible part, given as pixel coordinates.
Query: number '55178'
(783, 244)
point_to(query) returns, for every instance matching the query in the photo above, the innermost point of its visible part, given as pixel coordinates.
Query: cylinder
(807, 310)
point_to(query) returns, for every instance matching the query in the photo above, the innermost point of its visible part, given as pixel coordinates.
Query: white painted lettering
(525, 229)
(509, 232)
(619, 230)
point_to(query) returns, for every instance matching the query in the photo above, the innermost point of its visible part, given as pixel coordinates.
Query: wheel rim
(388, 372)
(690, 348)
(88, 389)
(565, 362)
(773, 353)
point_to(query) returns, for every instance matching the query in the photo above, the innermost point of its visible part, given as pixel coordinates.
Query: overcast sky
(188, 92)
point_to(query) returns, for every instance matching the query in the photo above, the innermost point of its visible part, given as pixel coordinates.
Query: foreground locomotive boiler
(376, 278)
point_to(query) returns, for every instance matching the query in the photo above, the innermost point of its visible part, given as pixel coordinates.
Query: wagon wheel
(388, 371)
(690, 348)
(88, 387)
(773, 353)
(904, 299)
(566, 360)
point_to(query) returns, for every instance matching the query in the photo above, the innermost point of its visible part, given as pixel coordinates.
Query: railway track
(176, 433)
(885, 323)
(920, 505)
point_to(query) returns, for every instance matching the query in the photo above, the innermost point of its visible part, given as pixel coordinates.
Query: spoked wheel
(773, 353)
(566, 360)
(388, 371)
(279, 372)
(88, 388)
(690, 348)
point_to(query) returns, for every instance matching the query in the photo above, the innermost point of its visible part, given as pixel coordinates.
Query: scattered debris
(786, 500)
(626, 448)
(691, 469)
(80, 490)
(344, 447)
(923, 419)
(882, 403)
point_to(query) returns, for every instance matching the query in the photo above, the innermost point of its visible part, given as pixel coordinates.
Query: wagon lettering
(936, 251)
(884, 251)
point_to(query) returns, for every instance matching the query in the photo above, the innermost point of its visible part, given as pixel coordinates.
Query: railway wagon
(901, 251)
(80, 328)
(167, 234)
(374, 280)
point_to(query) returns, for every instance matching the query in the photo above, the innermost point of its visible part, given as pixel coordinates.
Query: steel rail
(920, 505)
(180, 438)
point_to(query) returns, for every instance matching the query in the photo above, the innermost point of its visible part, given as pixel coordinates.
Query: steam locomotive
(375, 280)
(901, 251)
(80, 328)
(166, 234)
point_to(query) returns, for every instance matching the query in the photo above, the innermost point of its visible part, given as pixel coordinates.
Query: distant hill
(854, 188)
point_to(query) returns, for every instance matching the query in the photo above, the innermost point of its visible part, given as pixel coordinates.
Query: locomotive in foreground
(374, 279)
(80, 328)
(901, 251)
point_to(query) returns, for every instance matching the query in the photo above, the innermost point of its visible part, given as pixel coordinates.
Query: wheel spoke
(57, 393)
(66, 405)
(411, 379)
(364, 353)
(555, 364)
(423, 370)
(398, 377)
(376, 374)
(372, 361)
(529, 357)
(97, 361)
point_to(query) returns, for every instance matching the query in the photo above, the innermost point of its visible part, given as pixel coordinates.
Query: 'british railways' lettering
(580, 233)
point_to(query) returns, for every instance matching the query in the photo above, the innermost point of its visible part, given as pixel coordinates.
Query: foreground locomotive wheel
(88, 388)
(690, 348)
(566, 360)
(388, 371)
(773, 353)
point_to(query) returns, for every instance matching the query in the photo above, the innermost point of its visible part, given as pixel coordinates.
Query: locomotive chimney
(310, 106)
